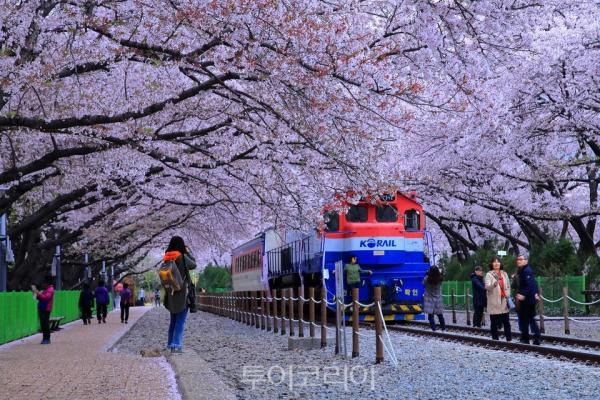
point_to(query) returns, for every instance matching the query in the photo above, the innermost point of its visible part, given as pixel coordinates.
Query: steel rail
(558, 340)
(590, 358)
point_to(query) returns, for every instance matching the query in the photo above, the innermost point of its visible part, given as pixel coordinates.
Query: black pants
(495, 321)
(101, 311)
(432, 321)
(477, 316)
(526, 321)
(124, 311)
(86, 314)
(45, 323)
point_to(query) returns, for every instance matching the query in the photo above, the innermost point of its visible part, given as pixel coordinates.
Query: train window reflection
(386, 213)
(357, 214)
(332, 221)
(411, 220)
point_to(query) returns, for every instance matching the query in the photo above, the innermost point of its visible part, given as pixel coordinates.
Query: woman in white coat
(497, 285)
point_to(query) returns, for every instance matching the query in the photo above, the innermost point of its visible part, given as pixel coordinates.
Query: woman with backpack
(176, 298)
(432, 299)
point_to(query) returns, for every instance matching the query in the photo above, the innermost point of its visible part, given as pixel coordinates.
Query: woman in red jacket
(45, 298)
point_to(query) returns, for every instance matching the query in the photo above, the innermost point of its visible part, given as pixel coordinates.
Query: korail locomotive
(386, 234)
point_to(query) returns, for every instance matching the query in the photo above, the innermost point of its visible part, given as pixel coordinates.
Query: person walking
(157, 297)
(102, 298)
(479, 296)
(86, 302)
(527, 297)
(432, 298)
(141, 297)
(126, 296)
(497, 287)
(176, 302)
(45, 299)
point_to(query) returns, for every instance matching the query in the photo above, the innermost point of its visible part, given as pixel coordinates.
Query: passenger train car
(388, 238)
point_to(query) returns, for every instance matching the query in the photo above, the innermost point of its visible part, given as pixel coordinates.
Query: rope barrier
(365, 305)
(583, 304)
(584, 322)
(552, 301)
(392, 356)
(386, 332)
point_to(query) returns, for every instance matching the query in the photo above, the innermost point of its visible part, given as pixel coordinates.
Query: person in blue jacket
(527, 296)
(102, 299)
(479, 296)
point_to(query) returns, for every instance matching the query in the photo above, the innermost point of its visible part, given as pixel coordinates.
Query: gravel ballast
(427, 368)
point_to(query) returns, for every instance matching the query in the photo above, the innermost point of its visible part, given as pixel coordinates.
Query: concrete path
(77, 366)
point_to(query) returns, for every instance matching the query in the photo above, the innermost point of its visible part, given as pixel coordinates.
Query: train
(386, 234)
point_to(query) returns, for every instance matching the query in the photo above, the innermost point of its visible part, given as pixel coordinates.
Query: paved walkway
(77, 366)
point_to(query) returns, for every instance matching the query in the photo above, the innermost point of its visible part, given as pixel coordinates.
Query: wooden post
(541, 311)
(262, 310)
(355, 347)
(248, 304)
(255, 310)
(467, 306)
(267, 311)
(283, 307)
(300, 312)
(338, 323)
(242, 305)
(378, 326)
(587, 300)
(566, 309)
(311, 311)
(453, 305)
(323, 317)
(291, 310)
(274, 308)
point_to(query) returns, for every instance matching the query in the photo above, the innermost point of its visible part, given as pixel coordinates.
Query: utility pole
(56, 271)
(87, 272)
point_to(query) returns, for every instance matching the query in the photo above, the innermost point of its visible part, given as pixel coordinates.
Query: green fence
(18, 312)
(551, 290)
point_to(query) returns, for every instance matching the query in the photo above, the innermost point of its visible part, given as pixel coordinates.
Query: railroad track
(478, 340)
(548, 339)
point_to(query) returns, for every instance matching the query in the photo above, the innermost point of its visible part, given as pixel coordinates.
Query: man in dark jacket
(479, 296)
(102, 299)
(528, 296)
(86, 302)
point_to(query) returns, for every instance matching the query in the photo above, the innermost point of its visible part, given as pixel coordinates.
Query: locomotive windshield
(411, 220)
(357, 214)
(387, 213)
(332, 221)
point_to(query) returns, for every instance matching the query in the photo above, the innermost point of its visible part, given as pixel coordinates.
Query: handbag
(190, 300)
(510, 303)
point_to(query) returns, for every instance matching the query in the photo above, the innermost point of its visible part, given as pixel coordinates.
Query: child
(102, 298)
(86, 302)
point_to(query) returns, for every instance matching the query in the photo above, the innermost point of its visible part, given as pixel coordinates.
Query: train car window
(332, 221)
(357, 214)
(411, 220)
(386, 213)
